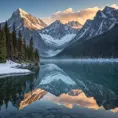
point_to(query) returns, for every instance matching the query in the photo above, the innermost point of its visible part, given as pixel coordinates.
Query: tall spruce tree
(36, 54)
(28, 53)
(11, 47)
(2, 46)
(31, 49)
(20, 43)
(0, 28)
(7, 34)
(24, 50)
(14, 38)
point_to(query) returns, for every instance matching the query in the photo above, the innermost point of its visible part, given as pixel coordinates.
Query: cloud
(81, 16)
(71, 15)
(114, 6)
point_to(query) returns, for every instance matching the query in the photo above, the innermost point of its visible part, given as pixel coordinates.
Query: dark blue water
(62, 90)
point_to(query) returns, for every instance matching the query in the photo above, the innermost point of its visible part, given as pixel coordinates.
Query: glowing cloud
(71, 15)
(114, 6)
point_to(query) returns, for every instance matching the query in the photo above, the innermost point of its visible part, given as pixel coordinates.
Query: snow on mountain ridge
(102, 22)
(56, 45)
(58, 42)
(74, 24)
(28, 20)
(57, 30)
(49, 40)
(21, 12)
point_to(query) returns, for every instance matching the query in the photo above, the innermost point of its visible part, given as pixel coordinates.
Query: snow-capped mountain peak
(74, 24)
(50, 40)
(102, 22)
(108, 9)
(20, 12)
(28, 20)
(55, 25)
(101, 14)
(57, 30)
(57, 22)
(111, 12)
(55, 38)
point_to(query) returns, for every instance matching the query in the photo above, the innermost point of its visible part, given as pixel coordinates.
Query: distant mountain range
(102, 46)
(102, 22)
(50, 40)
(97, 38)
(58, 30)
(74, 24)
(70, 39)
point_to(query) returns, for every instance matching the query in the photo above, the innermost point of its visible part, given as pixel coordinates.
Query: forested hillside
(13, 47)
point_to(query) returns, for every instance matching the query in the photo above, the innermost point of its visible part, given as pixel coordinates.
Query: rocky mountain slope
(102, 22)
(63, 38)
(24, 19)
(97, 38)
(49, 40)
(58, 30)
(74, 24)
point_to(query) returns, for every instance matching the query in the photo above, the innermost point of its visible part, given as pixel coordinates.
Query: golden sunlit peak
(21, 11)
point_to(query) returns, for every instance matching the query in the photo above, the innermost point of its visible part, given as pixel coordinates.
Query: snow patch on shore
(10, 68)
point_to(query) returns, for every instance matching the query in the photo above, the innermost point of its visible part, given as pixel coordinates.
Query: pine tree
(7, 34)
(6, 29)
(0, 28)
(11, 47)
(25, 50)
(28, 53)
(19, 42)
(2, 46)
(20, 46)
(36, 53)
(31, 50)
(14, 40)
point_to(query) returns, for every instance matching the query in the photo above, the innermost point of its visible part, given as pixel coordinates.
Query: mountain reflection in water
(62, 86)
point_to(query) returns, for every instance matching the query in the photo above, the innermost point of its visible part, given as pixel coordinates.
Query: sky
(46, 8)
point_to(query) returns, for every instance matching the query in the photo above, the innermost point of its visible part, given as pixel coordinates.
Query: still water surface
(62, 90)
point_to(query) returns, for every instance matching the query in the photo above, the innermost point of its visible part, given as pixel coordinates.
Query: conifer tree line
(15, 48)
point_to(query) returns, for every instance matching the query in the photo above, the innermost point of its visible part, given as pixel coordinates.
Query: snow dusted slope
(58, 30)
(55, 46)
(10, 68)
(49, 40)
(74, 24)
(27, 20)
(56, 37)
(28, 25)
(57, 42)
(102, 22)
